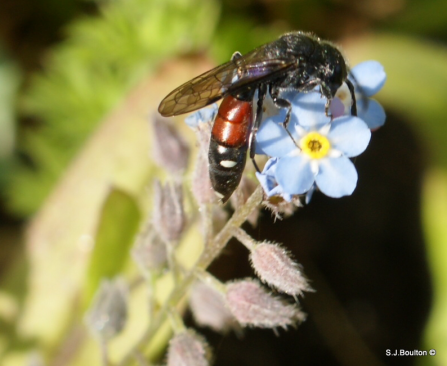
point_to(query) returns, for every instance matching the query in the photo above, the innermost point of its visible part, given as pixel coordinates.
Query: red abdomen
(233, 121)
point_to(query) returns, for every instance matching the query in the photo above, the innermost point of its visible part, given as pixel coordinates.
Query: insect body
(229, 143)
(296, 61)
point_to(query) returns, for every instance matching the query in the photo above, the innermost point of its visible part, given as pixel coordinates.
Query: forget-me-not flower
(319, 151)
(368, 78)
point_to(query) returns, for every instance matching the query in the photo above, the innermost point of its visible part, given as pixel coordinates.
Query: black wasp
(296, 61)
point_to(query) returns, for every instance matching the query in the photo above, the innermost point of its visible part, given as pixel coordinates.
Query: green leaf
(118, 224)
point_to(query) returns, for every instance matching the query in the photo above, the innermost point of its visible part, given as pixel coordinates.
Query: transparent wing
(252, 68)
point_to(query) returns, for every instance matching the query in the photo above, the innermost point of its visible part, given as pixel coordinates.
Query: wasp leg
(262, 91)
(283, 103)
(354, 102)
(236, 55)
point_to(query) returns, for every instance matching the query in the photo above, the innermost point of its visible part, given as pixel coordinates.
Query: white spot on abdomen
(228, 163)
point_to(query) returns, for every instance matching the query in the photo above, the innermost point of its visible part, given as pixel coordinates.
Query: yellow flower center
(315, 145)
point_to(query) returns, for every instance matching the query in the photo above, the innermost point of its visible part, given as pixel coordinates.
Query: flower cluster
(315, 150)
(313, 153)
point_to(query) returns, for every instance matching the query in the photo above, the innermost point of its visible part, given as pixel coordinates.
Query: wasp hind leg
(262, 91)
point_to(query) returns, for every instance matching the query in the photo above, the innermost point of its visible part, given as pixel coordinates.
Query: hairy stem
(210, 252)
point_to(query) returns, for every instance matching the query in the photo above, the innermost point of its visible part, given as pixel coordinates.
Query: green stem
(221, 239)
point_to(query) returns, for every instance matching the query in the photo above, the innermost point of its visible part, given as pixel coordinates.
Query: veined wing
(209, 87)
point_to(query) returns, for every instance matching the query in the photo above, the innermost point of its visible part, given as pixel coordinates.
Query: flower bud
(274, 266)
(168, 215)
(201, 183)
(208, 308)
(188, 349)
(108, 312)
(252, 305)
(170, 150)
(149, 251)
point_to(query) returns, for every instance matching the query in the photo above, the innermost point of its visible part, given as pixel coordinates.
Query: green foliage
(422, 18)
(118, 223)
(229, 40)
(89, 73)
(9, 82)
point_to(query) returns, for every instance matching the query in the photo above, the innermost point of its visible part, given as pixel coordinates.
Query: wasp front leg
(354, 102)
(283, 103)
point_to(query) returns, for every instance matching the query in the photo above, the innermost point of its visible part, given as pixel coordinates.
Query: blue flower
(269, 183)
(316, 152)
(203, 115)
(368, 78)
(271, 187)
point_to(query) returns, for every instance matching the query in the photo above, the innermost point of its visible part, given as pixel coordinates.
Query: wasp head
(333, 71)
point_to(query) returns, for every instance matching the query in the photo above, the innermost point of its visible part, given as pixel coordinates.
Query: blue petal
(350, 135)
(272, 139)
(202, 116)
(310, 193)
(369, 76)
(258, 149)
(308, 110)
(270, 167)
(374, 114)
(337, 177)
(268, 181)
(294, 174)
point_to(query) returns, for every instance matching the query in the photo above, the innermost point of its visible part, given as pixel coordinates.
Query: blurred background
(79, 80)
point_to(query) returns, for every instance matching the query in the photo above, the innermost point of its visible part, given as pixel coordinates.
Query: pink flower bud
(149, 251)
(201, 183)
(168, 215)
(188, 349)
(252, 305)
(108, 312)
(208, 308)
(170, 151)
(274, 266)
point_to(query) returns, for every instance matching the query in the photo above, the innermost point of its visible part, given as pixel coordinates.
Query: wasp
(296, 61)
